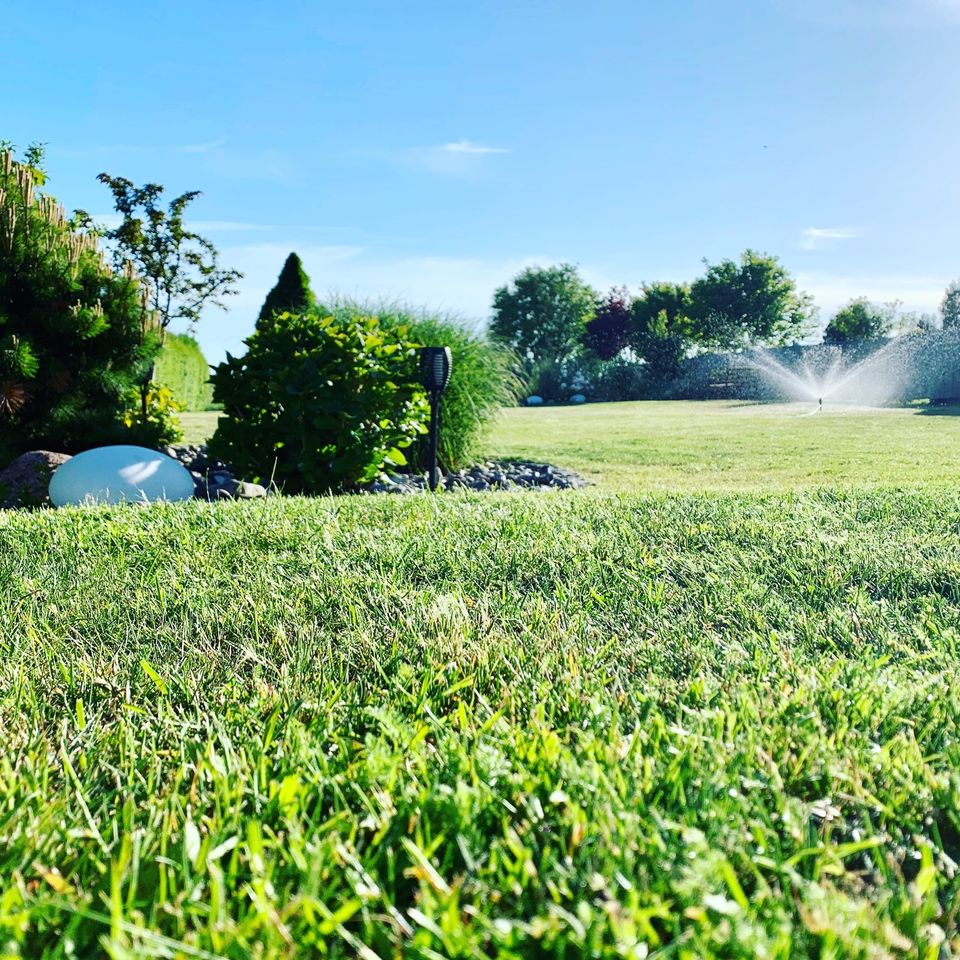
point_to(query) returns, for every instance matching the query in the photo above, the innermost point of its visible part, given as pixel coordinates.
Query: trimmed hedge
(182, 367)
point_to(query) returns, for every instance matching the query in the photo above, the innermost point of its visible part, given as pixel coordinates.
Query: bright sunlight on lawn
(724, 445)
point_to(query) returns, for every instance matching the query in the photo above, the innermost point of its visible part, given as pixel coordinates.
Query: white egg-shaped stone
(534, 401)
(578, 398)
(120, 474)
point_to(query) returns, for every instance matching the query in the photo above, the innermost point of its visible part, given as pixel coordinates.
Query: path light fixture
(435, 366)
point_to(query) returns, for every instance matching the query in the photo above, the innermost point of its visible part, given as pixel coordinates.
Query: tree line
(550, 316)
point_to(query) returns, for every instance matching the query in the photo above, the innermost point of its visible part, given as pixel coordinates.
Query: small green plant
(152, 417)
(319, 403)
(482, 383)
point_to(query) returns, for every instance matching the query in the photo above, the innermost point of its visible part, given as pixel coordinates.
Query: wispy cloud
(468, 146)
(459, 158)
(814, 237)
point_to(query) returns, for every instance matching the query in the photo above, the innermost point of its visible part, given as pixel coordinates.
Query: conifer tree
(291, 293)
(75, 336)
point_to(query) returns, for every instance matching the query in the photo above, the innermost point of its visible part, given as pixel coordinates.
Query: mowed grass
(724, 445)
(526, 725)
(731, 446)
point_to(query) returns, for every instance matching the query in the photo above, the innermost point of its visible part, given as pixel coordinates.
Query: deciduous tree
(755, 301)
(542, 313)
(860, 321)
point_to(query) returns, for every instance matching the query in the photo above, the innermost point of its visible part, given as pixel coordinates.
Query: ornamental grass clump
(76, 338)
(319, 403)
(483, 379)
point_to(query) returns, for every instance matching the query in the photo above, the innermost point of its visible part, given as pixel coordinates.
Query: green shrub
(291, 293)
(319, 403)
(153, 419)
(483, 380)
(183, 369)
(75, 338)
(557, 380)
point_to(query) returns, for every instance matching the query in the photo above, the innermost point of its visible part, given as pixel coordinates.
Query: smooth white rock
(120, 474)
(534, 401)
(578, 398)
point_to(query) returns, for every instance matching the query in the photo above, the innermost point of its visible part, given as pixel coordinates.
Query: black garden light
(435, 366)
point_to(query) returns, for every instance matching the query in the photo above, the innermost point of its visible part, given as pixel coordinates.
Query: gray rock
(249, 491)
(24, 483)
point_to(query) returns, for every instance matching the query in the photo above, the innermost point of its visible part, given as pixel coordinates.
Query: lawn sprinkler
(820, 405)
(435, 366)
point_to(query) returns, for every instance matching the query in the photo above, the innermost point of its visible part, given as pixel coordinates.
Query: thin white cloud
(460, 158)
(467, 146)
(813, 237)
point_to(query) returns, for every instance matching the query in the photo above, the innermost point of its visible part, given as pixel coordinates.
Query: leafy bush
(556, 381)
(183, 369)
(318, 403)
(153, 418)
(483, 380)
(621, 379)
(75, 338)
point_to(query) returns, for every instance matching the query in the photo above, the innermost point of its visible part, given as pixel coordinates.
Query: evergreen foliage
(183, 369)
(76, 338)
(291, 293)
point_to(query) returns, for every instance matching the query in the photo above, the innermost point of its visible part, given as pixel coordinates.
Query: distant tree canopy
(860, 321)
(733, 305)
(542, 313)
(662, 329)
(291, 293)
(752, 302)
(608, 331)
(950, 307)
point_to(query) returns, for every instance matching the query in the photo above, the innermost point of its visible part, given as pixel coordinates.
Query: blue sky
(427, 151)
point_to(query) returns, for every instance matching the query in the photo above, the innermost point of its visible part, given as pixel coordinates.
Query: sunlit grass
(556, 725)
(725, 446)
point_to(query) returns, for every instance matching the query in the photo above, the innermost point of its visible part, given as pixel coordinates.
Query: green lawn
(526, 725)
(724, 445)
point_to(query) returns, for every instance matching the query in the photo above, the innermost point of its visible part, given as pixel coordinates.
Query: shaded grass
(526, 725)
